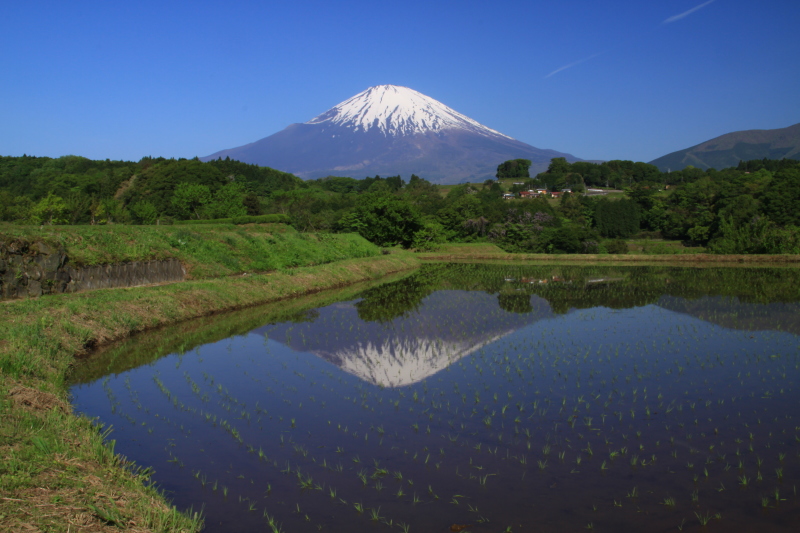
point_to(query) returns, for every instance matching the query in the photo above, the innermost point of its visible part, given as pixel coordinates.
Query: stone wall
(33, 269)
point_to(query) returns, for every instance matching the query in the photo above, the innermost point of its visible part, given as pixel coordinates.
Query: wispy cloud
(578, 62)
(686, 13)
(669, 20)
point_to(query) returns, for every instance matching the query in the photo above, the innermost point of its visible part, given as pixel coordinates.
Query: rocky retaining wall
(30, 270)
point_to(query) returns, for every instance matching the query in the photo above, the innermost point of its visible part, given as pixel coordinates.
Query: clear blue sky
(632, 79)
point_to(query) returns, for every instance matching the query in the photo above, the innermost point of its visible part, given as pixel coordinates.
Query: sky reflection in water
(493, 396)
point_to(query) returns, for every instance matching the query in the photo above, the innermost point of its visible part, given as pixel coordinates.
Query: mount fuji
(390, 130)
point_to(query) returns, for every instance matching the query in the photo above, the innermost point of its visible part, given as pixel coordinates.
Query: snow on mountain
(447, 326)
(390, 130)
(398, 362)
(398, 111)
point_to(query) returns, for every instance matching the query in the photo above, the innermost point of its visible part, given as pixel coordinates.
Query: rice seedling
(375, 514)
(704, 519)
(557, 395)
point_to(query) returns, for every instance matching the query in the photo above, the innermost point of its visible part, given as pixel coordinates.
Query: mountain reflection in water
(446, 327)
(400, 332)
(549, 397)
(440, 327)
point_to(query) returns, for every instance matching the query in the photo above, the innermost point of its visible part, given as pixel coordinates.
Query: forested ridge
(77, 190)
(751, 208)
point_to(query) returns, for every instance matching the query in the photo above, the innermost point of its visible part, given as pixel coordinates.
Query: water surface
(530, 398)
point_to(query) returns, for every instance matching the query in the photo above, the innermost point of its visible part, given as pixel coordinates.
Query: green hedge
(258, 219)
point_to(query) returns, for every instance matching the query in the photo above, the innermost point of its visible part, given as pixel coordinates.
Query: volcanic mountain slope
(727, 150)
(390, 130)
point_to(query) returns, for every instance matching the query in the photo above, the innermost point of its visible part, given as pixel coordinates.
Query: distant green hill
(727, 150)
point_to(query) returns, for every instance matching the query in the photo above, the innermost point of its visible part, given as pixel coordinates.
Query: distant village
(544, 193)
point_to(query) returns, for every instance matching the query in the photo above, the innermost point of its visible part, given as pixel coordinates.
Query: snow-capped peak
(399, 111)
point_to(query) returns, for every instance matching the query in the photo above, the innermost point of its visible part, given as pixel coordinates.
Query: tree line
(752, 208)
(77, 190)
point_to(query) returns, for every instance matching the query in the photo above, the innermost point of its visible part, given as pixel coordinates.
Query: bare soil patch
(36, 400)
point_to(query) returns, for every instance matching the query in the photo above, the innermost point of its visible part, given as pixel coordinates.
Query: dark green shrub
(617, 246)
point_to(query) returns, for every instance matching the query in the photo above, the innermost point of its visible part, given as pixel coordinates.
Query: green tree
(617, 218)
(145, 212)
(253, 205)
(159, 182)
(424, 195)
(526, 228)
(758, 236)
(565, 240)
(51, 209)
(490, 192)
(740, 209)
(395, 183)
(190, 199)
(262, 181)
(78, 207)
(226, 202)
(14, 208)
(514, 168)
(384, 220)
(571, 207)
(782, 197)
(458, 209)
(559, 165)
(108, 211)
(617, 246)
(429, 237)
(691, 208)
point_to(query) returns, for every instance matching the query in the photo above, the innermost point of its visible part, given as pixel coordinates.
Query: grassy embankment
(211, 250)
(659, 253)
(56, 472)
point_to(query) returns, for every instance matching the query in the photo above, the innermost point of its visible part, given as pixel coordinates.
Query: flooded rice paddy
(493, 397)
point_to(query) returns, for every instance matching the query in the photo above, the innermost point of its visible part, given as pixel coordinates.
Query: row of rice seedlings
(444, 413)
